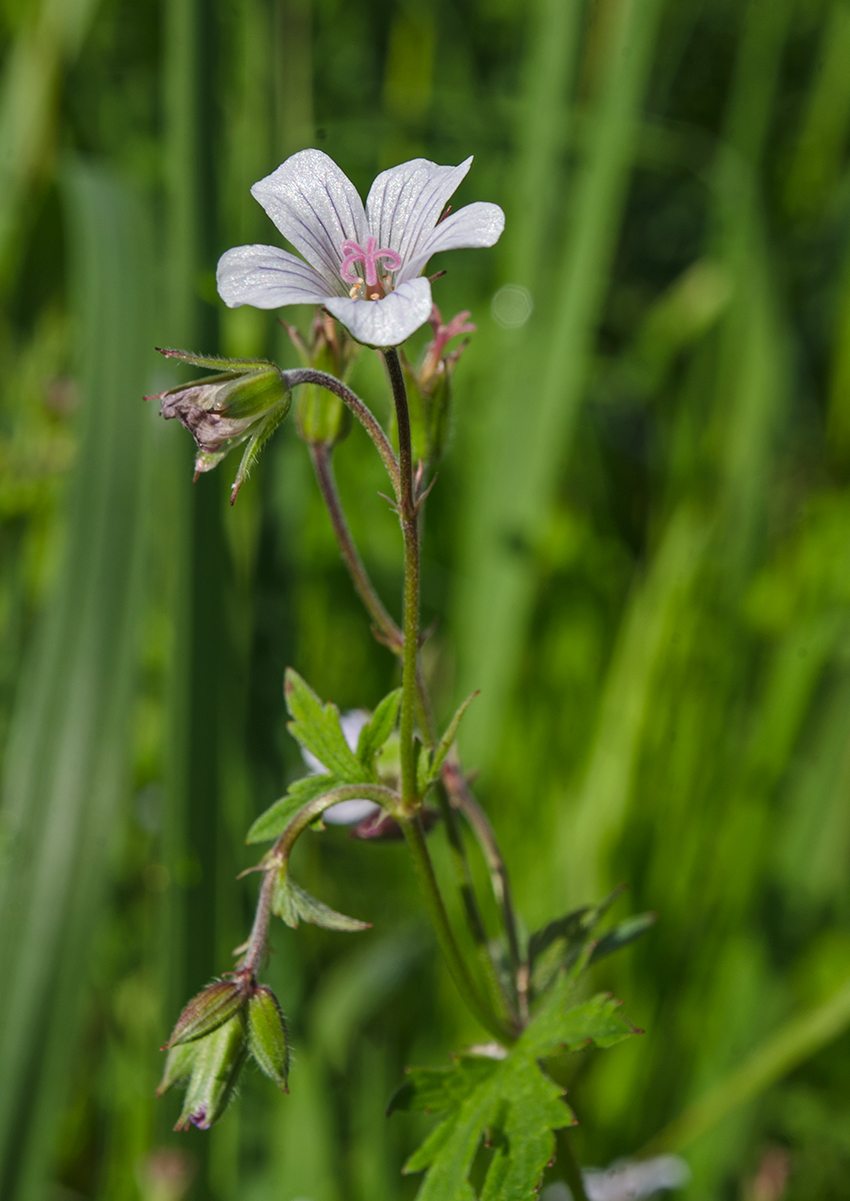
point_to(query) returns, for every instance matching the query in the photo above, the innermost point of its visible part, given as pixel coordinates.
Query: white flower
(364, 266)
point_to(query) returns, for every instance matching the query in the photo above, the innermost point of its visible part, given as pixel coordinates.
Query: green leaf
(562, 942)
(622, 934)
(510, 1102)
(429, 766)
(316, 727)
(293, 904)
(435, 1090)
(376, 732)
(278, 816)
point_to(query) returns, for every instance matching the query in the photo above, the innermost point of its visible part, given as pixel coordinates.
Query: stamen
(370, 257)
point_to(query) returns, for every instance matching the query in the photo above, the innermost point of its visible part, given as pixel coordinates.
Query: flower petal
(267, 277)
(349, 813)
(385, 322)
(405, 203)
(478, 224)
(316, 207)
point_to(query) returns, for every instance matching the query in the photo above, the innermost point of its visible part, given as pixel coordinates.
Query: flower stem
(568, 1164)
(321, 456)
(415, 839)
(409, 683)
(308, 375)
(365, 589)
(410, 624)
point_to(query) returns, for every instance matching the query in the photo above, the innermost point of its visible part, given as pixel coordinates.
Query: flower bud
(268, 1039)
(207, 1011)
(319, 415)
(217, 1063)
(429, 385)
(246, 401)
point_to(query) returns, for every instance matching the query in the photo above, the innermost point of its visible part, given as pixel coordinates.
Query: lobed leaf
(293, 904)
(317, 729)
(511, 1103)
(278, 816)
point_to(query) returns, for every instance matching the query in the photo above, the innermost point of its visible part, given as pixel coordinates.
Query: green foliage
(293, 904)
(375, 733)
(316, 727)
(278, 816)
(508, 1101)
(431, 764)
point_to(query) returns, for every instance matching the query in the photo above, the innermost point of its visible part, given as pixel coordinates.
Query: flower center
(368, 286)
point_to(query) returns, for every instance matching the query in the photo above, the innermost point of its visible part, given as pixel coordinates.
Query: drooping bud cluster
(429, 385)
(244, 402)
(321, 417)
(215, 1033)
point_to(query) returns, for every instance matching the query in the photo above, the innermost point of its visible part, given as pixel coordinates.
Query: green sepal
(178, 1066)
(216, 1068)
(216, 362)
(268, 1038)
(256, 443)
(316, 727)
(430, 765)
(293, 904)
(211, 1008)
(278, 816)
(376, 731)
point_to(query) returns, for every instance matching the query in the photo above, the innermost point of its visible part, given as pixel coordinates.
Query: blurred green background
(638, 548)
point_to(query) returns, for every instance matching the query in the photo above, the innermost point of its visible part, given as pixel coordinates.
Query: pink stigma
(369, 257)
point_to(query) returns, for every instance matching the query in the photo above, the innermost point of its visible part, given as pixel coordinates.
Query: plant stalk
(363, 586)
(410, 623)
(308, 375)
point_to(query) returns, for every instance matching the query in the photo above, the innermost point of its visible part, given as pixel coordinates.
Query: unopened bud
(207, 1011)
(268, 1039)
(429, 385)
(216, 1067)
(321, 417)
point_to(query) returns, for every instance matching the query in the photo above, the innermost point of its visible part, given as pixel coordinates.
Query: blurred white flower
(627, 1180)
(364, 266)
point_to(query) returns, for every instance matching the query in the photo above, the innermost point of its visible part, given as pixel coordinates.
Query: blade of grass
(66, 778)
(532, 417)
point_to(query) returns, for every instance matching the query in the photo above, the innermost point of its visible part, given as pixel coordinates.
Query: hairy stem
(308, 375)
(321, 456)
(412, 828)
(568, 1164)
(278, 856)
(365, 589)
